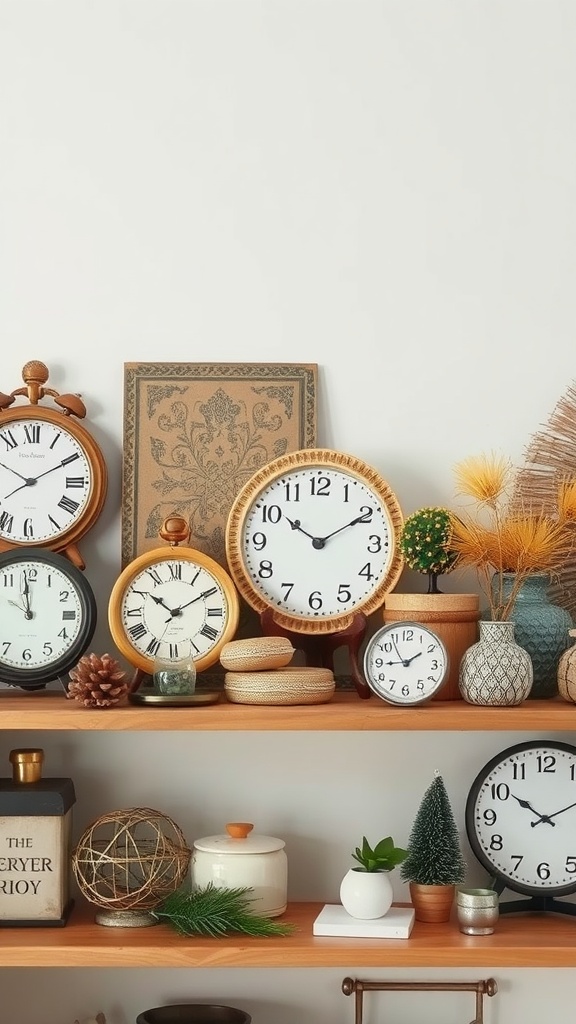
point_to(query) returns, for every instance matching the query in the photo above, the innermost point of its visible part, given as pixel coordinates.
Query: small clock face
(405, 663)
(47, 616)
(314, 537)
(172, 606)
(521, 817)
(46, 477)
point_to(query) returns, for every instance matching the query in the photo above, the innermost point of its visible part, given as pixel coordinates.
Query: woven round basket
(281, 686)
(256, 654)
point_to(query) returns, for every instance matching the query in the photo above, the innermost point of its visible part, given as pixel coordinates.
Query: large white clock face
(45, 481)
(317, 542)
(405, 663)
(174, 609)
(521, 817)
(47, 616)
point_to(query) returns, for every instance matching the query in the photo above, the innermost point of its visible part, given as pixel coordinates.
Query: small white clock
(405, 663)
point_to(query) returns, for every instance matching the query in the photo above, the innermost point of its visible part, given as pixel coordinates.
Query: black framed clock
(313, 536)
(53, 478)
(521, 823)
(173, 603)
(405, 663)
(47, 616)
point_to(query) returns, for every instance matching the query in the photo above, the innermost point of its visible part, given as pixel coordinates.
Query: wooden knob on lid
(174, 529)
(239, 829)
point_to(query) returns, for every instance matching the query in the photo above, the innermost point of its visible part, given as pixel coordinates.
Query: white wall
(384, 187)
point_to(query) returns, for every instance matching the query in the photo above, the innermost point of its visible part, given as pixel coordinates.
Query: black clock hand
(29, 481)
(365, 518)
(148, 593)
(158, 600)
(15, 471)
(547, 817)
(176, 611)
(317, 542)
(404, 661)
(407, 661)
(25, 591)
(528, 806)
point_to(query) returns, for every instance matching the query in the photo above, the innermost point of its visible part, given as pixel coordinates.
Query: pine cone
(97, 682)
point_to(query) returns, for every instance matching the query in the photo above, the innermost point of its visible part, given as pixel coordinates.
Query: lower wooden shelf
(51, 710)
(527, 940)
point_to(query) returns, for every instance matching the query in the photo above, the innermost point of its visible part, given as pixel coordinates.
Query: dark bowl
(193, 1013)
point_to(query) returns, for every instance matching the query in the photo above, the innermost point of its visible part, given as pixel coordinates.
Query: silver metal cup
(477, 911)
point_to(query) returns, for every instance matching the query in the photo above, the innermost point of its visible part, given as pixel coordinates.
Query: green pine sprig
(215, 912)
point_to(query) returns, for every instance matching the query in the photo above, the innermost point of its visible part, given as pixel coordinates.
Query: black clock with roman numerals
(521, 823)
(173, 603)
(53, 477)
(47, 616)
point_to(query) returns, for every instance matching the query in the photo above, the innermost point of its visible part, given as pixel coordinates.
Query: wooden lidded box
(35, 834)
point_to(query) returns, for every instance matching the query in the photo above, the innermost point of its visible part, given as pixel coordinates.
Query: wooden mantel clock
(312, 544)
(172, 603)
(53, 477)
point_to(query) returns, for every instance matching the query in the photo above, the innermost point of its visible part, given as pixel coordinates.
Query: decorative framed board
(194, 433)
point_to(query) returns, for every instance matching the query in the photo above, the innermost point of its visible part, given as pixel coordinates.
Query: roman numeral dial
(45, 481)
(170, 604)
(53, 477)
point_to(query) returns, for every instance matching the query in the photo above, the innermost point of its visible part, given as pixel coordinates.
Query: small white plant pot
(366, 894)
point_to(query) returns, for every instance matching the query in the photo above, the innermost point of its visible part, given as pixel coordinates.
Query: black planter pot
(194, 1013)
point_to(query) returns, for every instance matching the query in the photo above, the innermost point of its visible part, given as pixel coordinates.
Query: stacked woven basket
(258, 671)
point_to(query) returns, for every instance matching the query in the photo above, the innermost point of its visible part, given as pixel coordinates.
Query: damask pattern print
(194, 435)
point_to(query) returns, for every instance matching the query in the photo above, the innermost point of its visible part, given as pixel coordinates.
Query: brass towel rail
(358, 987)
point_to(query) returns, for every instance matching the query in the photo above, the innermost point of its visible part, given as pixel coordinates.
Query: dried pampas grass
(550, 459)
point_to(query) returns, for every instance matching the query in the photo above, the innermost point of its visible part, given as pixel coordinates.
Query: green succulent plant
(384, 857)
(425, 543)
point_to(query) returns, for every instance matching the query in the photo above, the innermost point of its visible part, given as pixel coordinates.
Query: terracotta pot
(432, 903)
(453, 617)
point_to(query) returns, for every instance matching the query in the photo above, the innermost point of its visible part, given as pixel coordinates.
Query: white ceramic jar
(238, 860)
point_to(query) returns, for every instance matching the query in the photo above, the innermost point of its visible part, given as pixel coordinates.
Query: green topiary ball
(425, 541)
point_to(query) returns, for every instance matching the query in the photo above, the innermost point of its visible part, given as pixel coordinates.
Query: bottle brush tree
(425, 543)
(434, 853)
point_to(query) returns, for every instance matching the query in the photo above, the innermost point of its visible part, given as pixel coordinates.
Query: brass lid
(26, 764)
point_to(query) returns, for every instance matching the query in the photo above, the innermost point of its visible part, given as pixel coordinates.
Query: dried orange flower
(484, 478)
(567, 501)
(497, 541)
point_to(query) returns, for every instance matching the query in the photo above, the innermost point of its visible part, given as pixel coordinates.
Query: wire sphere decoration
(127, 862)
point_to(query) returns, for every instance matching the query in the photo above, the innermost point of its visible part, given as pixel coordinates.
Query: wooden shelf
(519, 941)
(51, 710)
(547, 940)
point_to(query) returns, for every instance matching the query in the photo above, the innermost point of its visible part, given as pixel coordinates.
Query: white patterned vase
(495, 670)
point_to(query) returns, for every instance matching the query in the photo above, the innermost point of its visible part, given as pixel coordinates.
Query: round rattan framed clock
(313, 536)
(173, 603)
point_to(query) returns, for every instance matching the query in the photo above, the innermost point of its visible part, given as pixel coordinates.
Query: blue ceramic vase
(541, 628)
